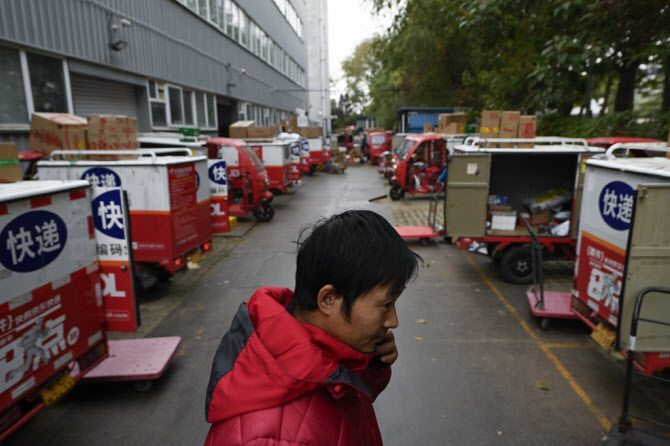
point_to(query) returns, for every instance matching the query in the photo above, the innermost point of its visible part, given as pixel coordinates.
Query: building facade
(318, 76)
(169, 63)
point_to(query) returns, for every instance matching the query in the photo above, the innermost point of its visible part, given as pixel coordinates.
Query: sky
(349, 23)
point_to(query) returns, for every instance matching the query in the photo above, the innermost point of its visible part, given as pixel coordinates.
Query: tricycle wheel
(396, 193)
(494, 253)
(516, 265)
(143, 385)
(545, 323)
(264, 212)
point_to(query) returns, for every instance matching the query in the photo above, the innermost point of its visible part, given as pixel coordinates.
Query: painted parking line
(546, 349)
(556, 345)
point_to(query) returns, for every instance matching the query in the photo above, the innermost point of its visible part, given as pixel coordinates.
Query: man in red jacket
(303, 368)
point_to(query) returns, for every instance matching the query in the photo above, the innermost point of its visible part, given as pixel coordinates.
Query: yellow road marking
(602, 419)
(573, 346)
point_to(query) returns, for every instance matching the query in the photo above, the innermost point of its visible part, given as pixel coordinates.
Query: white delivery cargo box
(624, 245)
(169, 201)
(51, 309)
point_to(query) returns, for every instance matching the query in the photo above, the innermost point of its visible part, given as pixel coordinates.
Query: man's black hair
(354, 251)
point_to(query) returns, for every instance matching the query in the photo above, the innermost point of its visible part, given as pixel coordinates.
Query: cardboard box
(10, 168)
(57, 131)
(452, 118)
(497, 208)
(240, 129)
(527, 129)
(503, 221)
(262, 132)
(540, 218)
(452, 129)
(310, 132)
(490, 125)
(509, 126)
(111, 132)
(427, 127)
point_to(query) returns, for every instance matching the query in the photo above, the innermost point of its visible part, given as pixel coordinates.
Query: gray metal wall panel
(166, 42)
(105, 73)
(92, 96)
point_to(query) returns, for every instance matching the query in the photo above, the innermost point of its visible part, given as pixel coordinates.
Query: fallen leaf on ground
(418, 338)
(420, 321)
(543, 385)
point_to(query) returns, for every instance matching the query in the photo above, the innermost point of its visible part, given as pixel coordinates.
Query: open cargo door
(111, 221)
(467, 195)
(647, 264)
(579, 192)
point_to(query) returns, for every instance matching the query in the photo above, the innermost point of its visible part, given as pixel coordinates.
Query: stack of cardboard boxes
(507, 124)
(248, 129)
(10, 170)
(111, 132)
(62, 131)
(452, 123)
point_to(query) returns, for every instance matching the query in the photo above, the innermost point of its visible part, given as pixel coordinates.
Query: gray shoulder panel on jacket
(229, 349)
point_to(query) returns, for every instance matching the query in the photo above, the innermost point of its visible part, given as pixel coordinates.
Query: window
(220, 15)
(158, 116)
(272, 52)
(157, 104)
(211, 110)
(188, 107)
(228, 6)
(236, 22)
(244, 28)
(200, 109)
(202, 8)
(192, 4)
(212, 10)
(13, 106)
(31, 83)
(152, 89)
(47, 83)
(175, 101)
(264, 45)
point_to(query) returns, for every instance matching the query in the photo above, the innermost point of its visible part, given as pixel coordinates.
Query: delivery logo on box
(616, 205)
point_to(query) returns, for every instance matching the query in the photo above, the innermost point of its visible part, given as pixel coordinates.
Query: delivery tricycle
(66, 280)
(249, 185)
(489, 189)
(419, 161)
(623, 248)
(169, 201)
(378, 142)
(275, 154)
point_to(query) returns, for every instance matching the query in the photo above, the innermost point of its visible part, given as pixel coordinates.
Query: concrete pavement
(476, 369)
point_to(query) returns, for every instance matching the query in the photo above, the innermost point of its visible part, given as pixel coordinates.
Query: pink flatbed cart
(423, 233)
(545, 305)
(139, 360)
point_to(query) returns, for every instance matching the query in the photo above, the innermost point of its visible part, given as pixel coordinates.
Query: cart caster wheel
(424, 241)
(144, 385)
(545, 323)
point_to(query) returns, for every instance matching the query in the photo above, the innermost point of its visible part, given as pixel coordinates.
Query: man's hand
(387, 350)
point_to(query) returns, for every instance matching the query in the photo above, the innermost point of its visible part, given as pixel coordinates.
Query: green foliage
(628, 123)
(543, 57)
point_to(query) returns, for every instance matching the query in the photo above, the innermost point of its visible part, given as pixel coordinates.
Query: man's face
(372, 315)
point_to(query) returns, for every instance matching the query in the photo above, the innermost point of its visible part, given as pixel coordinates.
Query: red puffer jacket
(279, 382)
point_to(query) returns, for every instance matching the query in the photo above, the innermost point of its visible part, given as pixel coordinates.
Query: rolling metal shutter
(95, 96)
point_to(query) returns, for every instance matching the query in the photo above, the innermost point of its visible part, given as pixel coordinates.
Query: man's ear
(328, 300)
